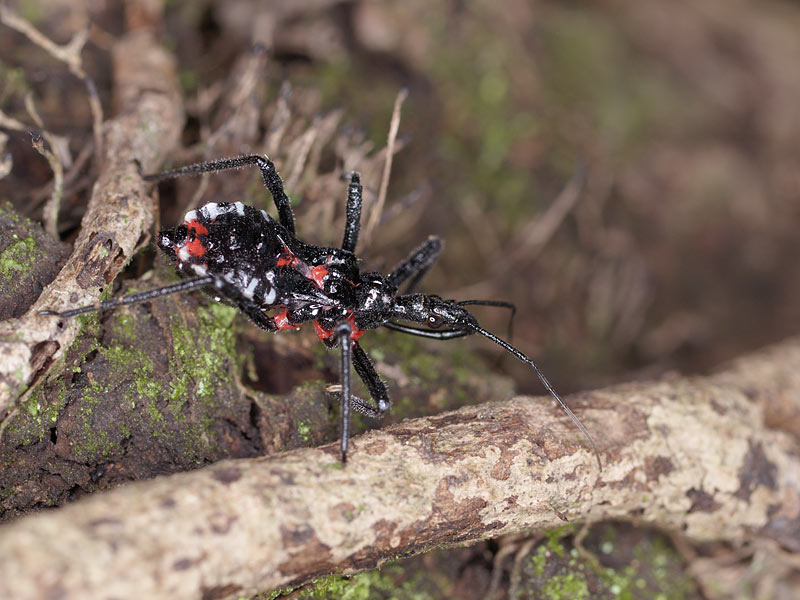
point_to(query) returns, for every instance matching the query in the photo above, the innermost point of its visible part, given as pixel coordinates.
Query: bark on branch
(691, 455)
(119, 213)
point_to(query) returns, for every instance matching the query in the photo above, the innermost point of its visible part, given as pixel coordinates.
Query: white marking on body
(214, 209)
(190, 216)
(239, 208)
(266, 216)
(251, 288)
(183, 254)
(210, 210)
(200, 269)
(269, 298)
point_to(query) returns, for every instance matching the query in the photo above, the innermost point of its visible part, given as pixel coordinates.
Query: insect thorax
(254, 259)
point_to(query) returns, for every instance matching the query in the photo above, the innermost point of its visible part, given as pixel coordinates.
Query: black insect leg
(377, 389)
(182, 286)
(417, 263)
(353, 215)
(257, 315)
(352, 352)
(343, 331)
(270, 175)
(435, 334)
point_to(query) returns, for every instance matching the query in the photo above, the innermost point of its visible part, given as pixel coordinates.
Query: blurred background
(626, 172)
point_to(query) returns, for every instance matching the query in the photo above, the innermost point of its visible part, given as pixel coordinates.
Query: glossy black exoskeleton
(280, 282)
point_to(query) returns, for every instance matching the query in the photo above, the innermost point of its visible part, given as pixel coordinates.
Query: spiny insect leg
(377, 388)
(353, 216)
(343, 331)
(417, 263)
(268, 172)
(257, 315)
(182, 286)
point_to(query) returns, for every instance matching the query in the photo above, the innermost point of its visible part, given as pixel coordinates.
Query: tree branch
(689, 455)
(119, 213)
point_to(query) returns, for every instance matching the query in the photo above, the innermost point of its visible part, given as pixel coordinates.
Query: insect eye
(435, 321)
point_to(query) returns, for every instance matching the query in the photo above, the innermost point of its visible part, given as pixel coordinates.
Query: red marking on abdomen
(315, 274)
(318, 274)
(287, 261)
(323, 334)
(287, 258)
(357, 333)
(281, 321)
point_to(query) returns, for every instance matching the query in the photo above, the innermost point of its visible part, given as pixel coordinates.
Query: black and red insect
(280, 282)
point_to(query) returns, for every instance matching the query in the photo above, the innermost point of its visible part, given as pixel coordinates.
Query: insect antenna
(506, 346)
(181, 286)
(499, 303)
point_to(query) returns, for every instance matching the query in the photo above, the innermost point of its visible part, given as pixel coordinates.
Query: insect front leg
(253, 310)
(182, 286)
(343, 331)
(417, 263)
(377, 388)
(353, 215)
(434, 334)
(268, 172)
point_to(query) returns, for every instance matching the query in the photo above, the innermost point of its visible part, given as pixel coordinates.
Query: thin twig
(377, 209)
(298, 154)
(532, 238)
(41, 194)
(53, 204)
(6, 162)
(535, 237)
(69, 54)
(280, 121)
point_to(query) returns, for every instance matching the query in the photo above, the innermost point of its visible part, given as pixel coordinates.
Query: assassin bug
(260, 266)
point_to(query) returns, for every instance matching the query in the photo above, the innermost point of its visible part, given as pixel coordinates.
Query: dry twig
(57, 161)
(377, 209)
(69, 54)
